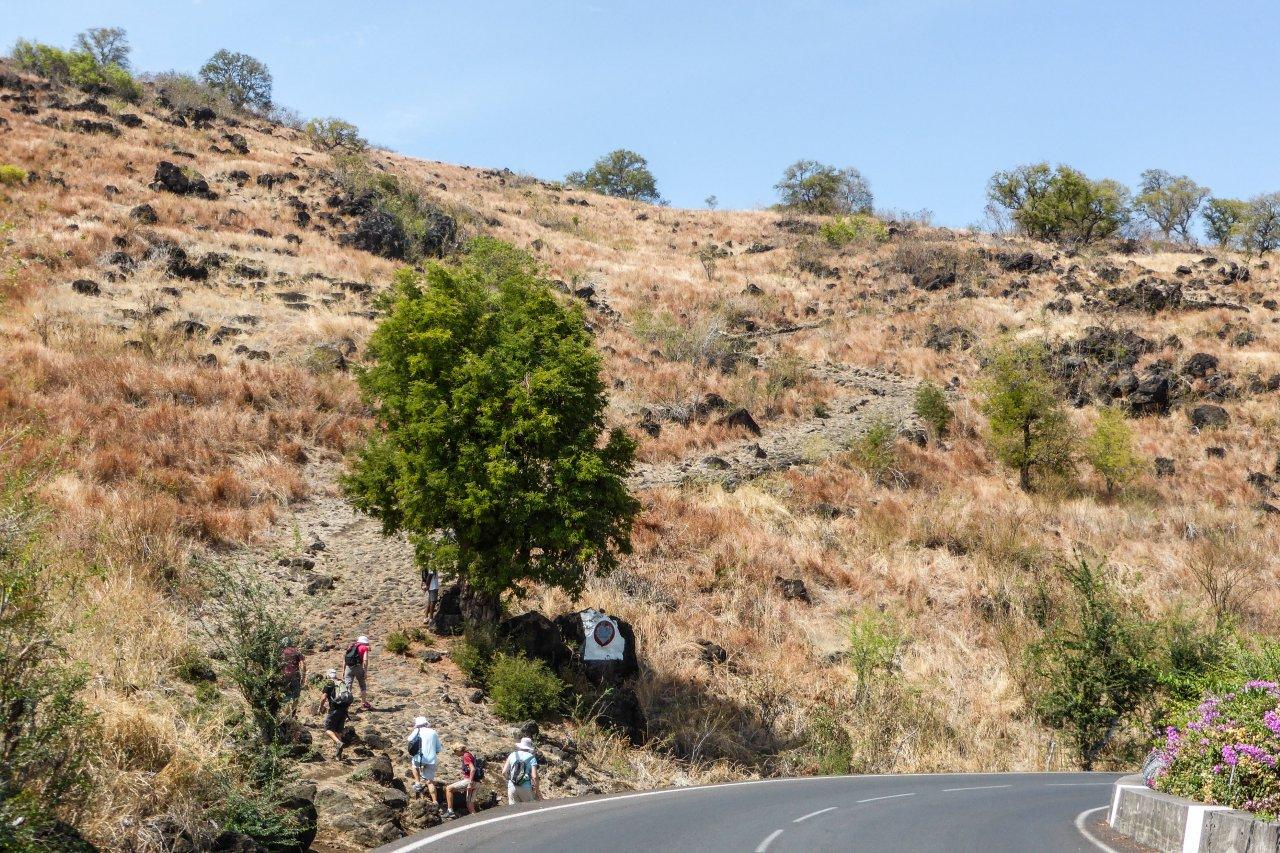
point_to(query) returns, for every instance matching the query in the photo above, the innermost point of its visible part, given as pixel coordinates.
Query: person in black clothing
(336, 696)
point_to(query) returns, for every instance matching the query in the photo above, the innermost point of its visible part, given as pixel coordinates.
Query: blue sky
(926, 97)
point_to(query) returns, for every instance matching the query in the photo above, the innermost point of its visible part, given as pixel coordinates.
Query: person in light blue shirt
(521, 773)
(424, 747)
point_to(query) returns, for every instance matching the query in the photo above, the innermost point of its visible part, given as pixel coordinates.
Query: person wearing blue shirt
(521, 773)
(425, 757)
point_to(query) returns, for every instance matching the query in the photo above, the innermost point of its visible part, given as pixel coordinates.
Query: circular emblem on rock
(604, 632)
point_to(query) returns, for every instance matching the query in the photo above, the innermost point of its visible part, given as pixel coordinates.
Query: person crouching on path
(424, 749)
(471, 776)
(521, 773)
(355, 669)
(335, 696)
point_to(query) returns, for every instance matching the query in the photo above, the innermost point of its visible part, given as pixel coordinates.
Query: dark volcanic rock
(86, 287)
(144, 213)
(792, 589)
(1208, 415)
(87, 125)
(175, 179)
(740, 419)
(1200, 364)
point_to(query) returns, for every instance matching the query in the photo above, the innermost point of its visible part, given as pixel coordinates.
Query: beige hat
(526, 744)
(419, 722)
(362, 639)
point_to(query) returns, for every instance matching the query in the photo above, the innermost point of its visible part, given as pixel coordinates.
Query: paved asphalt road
(949, 812)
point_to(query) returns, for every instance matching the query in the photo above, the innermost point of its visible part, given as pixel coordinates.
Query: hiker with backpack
(355, 668)
(472, 775)
(521, 773)
(293, 674)
(336, 697)
(424, 751)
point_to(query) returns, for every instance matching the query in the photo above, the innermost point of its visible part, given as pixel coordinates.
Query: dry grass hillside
(184, 369)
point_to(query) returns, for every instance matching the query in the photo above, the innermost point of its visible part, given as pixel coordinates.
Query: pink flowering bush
(1226, 751)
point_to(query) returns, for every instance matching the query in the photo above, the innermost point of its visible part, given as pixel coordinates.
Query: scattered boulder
(181, 181)
(712, 653)
(1215, 452)
(1208, 415)
(1150, 295)
(87, 125)
(237, 142)
(86, 287)
(792, 589)
(144, 213)
(739, 419)
(1164, 466)
(945, 339)
(1200, 364)
(538, 638)
(130, 120)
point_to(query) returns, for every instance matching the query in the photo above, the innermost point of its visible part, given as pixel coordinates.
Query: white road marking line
(407, 845)
(1083, 828)
(977, 788)
(1075, 784)
(764, 845)
(889, 797)
(814, 814)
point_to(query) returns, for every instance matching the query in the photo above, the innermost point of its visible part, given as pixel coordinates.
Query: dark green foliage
(808, 186)
(397, 642)
(243, 80)
(524, 689)
(257, 812)
(490, 409)
(249, 633)
(829, 743)
(1029, 427)
(1061, 204)
(192, 666)
(931, 407)
(475, 652)
(876, 451)
(620, 173)
(45, 729)
(1094, 667)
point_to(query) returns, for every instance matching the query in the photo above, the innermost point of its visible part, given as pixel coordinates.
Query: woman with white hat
(355, 667)
(424, 750)
(521, 773)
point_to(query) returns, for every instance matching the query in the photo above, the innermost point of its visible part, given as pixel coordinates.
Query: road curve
(1012, 812)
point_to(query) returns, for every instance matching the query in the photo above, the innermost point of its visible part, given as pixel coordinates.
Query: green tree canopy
(808, 186)
(1030, 430)
(107, 45)
(490, 419)
(1061, 203)
(244, 81)
(621, 174)
(1224, 220)
(1169, 201)
(1261, 226)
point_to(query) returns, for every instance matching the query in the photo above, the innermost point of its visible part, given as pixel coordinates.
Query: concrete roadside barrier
(1173, 825)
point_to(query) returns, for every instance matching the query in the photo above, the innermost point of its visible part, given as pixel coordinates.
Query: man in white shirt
(431, 586)
(425, 756)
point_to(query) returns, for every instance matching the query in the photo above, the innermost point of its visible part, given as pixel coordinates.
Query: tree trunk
(478, 608)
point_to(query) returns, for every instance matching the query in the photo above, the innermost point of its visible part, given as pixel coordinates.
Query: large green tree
(490, 448)
(620, 173)
(1224, 220)
(808, 186)
(1169, 202)
(1061, 203)
(245, 81)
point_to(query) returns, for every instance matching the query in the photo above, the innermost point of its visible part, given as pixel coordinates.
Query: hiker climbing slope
(355, 669)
